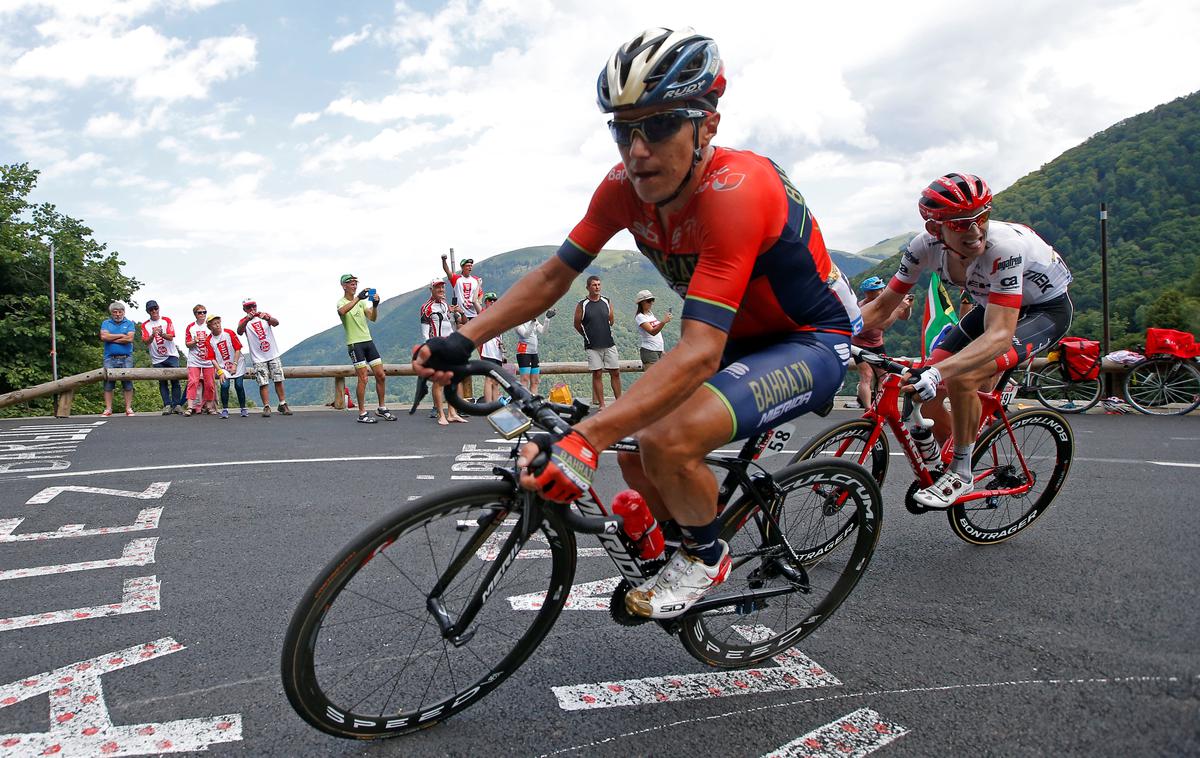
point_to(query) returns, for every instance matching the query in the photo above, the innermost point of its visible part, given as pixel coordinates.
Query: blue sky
(263, 148)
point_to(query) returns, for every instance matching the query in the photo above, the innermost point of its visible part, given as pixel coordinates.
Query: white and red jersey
(159, 336)
(1017, 267)
(200, 354)
(467, 288)
(436, 319)
(260, 341)
(225, 347)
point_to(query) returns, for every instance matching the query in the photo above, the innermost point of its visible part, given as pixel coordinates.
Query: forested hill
(1147, 169)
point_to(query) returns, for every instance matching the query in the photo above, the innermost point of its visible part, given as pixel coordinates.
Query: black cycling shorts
(363, 354)
(1038, 327)
(528, 363)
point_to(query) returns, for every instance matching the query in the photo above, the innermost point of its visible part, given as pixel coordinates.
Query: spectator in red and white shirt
(438, 319)
(159, 335)
(257, 327)
(227, 352)
(202, 370)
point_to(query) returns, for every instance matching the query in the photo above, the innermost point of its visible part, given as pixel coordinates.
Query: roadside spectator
(528, 365)
(649, 329)
(466, 293)
(493, 352)
(159, 335)
(594, 319)
(202, 370)
(116, 332)
(439, 319)
(257, 327)
(231, 365)
(872, 339)
(354, 311)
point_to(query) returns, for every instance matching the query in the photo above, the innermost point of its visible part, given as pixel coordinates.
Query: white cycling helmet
(662, 66)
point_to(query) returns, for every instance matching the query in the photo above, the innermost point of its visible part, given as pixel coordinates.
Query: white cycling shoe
(943, 493)
(678, 586)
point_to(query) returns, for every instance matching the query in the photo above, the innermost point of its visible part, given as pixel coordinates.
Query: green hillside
(1145, 169)
(623, 273)
(884, 249)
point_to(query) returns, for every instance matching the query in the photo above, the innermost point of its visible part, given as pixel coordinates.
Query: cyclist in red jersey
(765, 337)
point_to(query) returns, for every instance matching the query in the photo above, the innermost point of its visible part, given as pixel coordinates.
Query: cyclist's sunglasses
(655, 128)
(963, 224)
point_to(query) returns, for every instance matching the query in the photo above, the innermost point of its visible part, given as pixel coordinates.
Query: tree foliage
(1147, 170)
(87, 276)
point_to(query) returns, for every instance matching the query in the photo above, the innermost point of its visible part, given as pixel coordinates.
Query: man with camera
(355, 310)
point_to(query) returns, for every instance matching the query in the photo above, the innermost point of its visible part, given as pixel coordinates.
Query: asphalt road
(1080, 636)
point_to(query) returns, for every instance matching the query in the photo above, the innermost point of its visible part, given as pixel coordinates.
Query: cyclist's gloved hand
(448, 352)
(923, 381)
(568, 471)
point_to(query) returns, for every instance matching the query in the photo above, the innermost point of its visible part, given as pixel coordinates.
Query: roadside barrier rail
(66, 387)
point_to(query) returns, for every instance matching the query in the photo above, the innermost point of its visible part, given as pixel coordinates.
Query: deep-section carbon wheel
(849, 440)
(364, 655)
(1046, 442)
(1163, 387)
(813, 568)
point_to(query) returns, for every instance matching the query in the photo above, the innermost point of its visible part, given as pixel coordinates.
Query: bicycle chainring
(912, 505)
(616, 604)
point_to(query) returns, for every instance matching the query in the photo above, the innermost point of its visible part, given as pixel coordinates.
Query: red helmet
(954, 196)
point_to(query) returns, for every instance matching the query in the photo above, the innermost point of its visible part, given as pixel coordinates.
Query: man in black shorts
(354, 313)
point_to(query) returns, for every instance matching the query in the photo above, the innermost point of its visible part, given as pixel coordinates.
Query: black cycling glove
(449, 352)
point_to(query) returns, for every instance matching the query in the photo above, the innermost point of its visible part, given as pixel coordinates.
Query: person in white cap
(649, 328)
(264, 351)
(439, 319)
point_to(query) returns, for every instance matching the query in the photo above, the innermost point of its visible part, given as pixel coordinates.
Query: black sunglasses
(654, 128)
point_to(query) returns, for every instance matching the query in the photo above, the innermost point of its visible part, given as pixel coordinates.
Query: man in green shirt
(354, 312)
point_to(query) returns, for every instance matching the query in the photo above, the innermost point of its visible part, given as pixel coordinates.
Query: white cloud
(115, 126)
(350, 40)
(305, 118)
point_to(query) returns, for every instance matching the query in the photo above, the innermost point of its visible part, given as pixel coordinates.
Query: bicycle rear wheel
(1058, 392)
(364, 657)
(1163, 387)
(1047, 444)
(811, 501)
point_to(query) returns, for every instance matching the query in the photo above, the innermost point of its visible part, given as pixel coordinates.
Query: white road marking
(263, 462)
(146, 519)
(588, 596)
(854, 735)
(79, 720)
(426, 476)
(641, 734)
(139, 552)
(1175, 463)
(796, 670)
(474, 476)
(138, 594)
(153, 492)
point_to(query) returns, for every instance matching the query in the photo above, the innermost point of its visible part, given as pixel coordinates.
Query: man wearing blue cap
(872, 339)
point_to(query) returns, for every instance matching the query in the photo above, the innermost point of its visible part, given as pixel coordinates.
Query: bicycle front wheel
(1163, 387)
(848, 440)
(1059, 393)
(365, 657)
(829, 515)
(1046, 442)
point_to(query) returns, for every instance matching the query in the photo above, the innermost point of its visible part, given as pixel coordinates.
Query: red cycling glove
(568, 473)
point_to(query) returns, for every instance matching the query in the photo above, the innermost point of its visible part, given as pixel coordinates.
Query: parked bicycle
(1069, 381)
(1167, 382)
(432, 607)
(1020, 461)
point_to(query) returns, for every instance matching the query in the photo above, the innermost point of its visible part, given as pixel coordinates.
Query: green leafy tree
(88, 277)
(1170, 311)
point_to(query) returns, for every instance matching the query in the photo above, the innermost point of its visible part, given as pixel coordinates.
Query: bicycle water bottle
(639, 523)
(927, 446)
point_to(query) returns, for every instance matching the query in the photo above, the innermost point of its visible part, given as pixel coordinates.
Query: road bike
(1163, 385)
(429, 609)
(1019, 464)
(1055, 388)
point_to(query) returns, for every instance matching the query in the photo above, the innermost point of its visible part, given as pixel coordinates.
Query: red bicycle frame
(886, 410)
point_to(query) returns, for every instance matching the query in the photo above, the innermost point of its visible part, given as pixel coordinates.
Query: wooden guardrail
(66, 387)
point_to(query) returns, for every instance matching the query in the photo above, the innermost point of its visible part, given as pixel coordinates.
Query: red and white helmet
(954, 196)
(661, 66)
